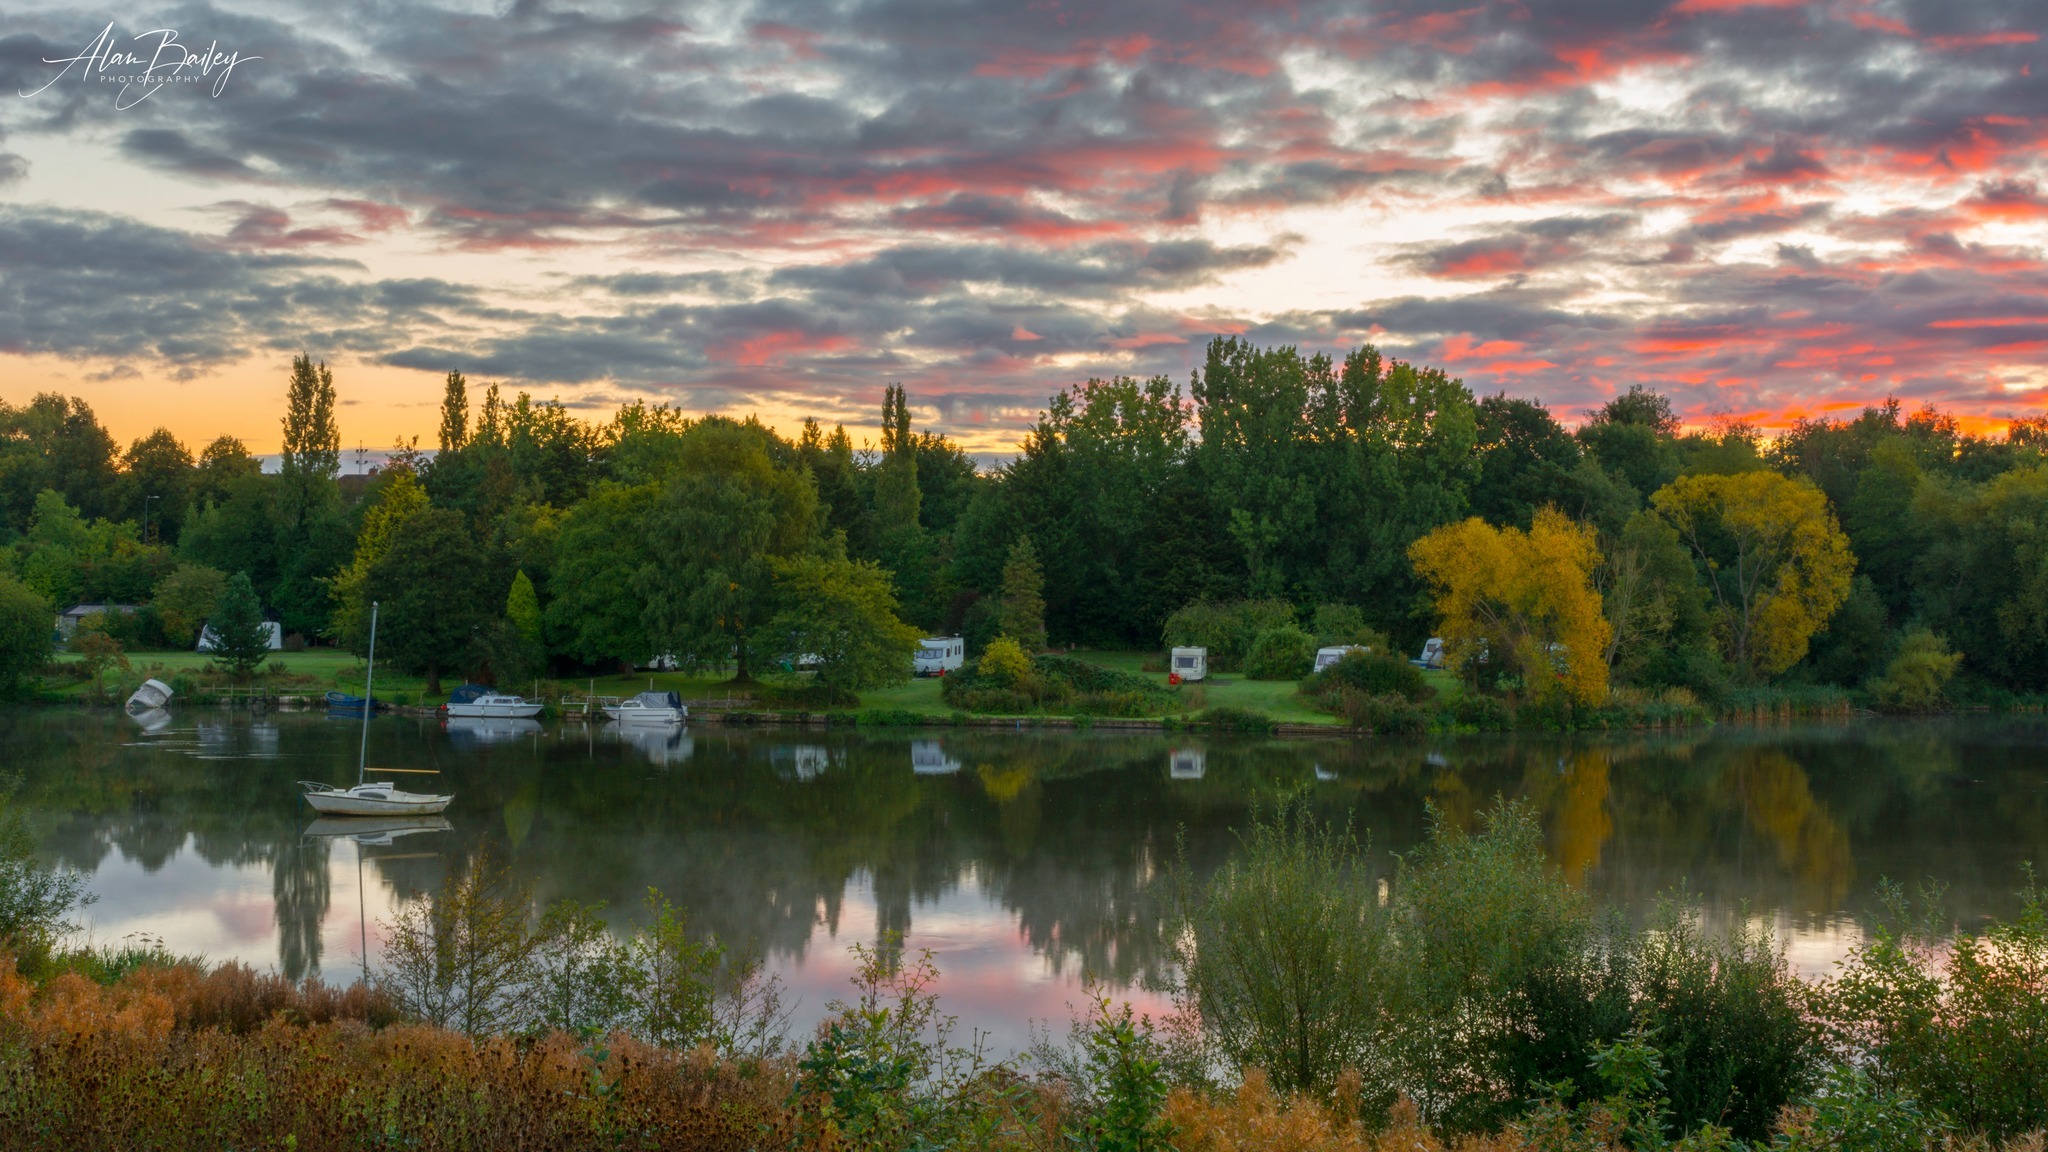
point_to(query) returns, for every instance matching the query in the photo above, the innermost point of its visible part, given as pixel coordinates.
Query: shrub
(1005, 664)
(1729, 1022)
(1262, 945)
(1234, 719)
(1053, 684)
(888, 718)
(1480, 711)
(1917, 678)
(1116, 1069)
(1227, 630)
(1383, 715)
(35, 898)
(1377, 673)
(1963, 1036)
(1283, 653)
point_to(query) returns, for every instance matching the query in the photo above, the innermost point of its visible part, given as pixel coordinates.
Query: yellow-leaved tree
(399, 497)
(1526, 599)
(1773, 557)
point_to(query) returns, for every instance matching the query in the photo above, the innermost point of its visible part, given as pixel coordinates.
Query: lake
(1027, 862)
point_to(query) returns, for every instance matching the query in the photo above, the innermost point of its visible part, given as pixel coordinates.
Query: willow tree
(1523, 599)
(1771, 555)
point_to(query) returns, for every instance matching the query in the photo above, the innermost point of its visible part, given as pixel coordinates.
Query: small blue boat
(344, 702)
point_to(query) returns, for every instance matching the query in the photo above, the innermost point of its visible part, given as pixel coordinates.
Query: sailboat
(371, 797)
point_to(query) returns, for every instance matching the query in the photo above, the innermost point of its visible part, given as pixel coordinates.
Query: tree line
(1629, 549)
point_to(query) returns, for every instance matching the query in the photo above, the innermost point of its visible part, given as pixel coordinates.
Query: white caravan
(938, 655)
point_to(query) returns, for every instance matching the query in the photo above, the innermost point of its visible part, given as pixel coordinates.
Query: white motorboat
(376, 798)
(371, 797)
(649, 708)
(492, 706)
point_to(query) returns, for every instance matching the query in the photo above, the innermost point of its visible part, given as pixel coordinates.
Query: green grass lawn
(1276, 699)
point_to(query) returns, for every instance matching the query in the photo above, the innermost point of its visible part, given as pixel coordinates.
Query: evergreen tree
(241, 643)
(1024, 597)
(897, 499)
(522, 607)
(455, 414)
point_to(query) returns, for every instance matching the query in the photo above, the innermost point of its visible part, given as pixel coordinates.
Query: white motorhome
(938, 655)
(1335, 652)
(1432, 653)
(1190, 664)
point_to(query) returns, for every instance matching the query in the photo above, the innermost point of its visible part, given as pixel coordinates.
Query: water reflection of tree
(763, 834)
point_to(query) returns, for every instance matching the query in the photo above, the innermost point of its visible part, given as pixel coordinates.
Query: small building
(1189, 665)
(1335, 652)
(271, 628)
(938, 655)
(69, 619)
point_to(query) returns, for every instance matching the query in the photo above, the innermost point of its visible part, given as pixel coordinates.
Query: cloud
(1753, 205)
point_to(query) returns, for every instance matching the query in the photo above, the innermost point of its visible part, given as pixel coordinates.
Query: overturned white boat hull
(374, 799)
(152, 694)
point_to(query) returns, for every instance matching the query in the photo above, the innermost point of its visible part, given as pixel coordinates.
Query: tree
(97, 650)
(1772, 557)
(1917, 678)
(522, 607)
(714, 535)
(1650, 593)
(1023, 613)
(312, 440)
(1526, 460)
(156, 484)
(241, 642)
(1983, 579)
(1633, 437)
(223, 465)
(34, 897)
(186, 598)
(844, 612)
(25, 630)
(454, 414)
(1524, 599)
(594, 611)
(435, 592)
(399, 498)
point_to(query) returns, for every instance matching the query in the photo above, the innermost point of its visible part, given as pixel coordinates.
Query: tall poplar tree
(455, 414)
(312, 440)
(1024, 597)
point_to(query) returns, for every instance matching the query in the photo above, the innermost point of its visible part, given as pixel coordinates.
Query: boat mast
(369, 701)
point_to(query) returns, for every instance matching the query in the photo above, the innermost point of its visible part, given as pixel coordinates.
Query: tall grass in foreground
(1475, 1002)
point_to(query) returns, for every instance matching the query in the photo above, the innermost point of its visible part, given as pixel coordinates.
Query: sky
(1766, 210)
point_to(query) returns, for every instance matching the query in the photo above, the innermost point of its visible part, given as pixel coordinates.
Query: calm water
(1024, 861)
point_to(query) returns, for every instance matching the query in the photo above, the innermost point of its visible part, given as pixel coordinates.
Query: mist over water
(1027, 862)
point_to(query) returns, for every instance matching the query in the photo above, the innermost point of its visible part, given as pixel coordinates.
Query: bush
(1005, 664)
(1377, 673)
(1271, 998)
(1383, 715)
(1051, 684)
(35, 898)
(1227, 630)
(1962, 1037)
(1344, 624)
(1283, 653)
(1729, 1021)
(1234, 719)
(1917, 678)
(1482, 712)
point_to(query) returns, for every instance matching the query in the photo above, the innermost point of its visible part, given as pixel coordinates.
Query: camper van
(938, 655)
(1190, 665)
(1328, 656)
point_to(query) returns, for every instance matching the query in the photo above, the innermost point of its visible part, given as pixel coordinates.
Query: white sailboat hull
(373, 800)
(632, 715)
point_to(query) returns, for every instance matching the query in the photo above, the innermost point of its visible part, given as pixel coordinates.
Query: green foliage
(593, 611)
(1288, 956)
(1228, 719)
(35, 897)
(185, 599)
(1227, 630)
(731, 511)
(1375, 673)
(1006, 681)
(844, 613)
(883, 1072)
(25, 632)
(241, 643)
(1335, 624)
(1004, 664)
(522, 607)
(96, 650)
(1385, 714)
(1283, 653)
(1122, 1081)
(437, 596)
(1023, 607)
(1729, 1019)
(1479, 711)
(1917, 678)
(1962, 1038)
